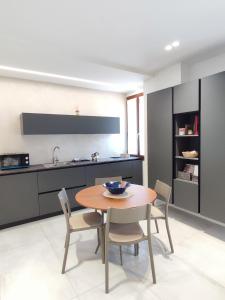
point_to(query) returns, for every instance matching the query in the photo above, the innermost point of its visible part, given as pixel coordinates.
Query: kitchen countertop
(41, 167)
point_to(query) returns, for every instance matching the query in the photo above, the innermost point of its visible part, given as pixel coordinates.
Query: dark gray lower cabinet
(28, 195)
(49, 202)
(213, 147)
(18, 198)
(53, 180)
(129, 170)
(137, 173)
(186, 195)
(159, 108)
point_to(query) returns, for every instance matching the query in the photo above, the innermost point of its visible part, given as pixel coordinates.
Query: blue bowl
(116, 187)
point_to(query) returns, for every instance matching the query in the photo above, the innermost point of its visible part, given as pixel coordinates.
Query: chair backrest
(63, 198)
(99, 181)
(129, 215)
(163, 190)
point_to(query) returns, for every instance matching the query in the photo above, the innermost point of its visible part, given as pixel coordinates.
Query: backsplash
(27, 96)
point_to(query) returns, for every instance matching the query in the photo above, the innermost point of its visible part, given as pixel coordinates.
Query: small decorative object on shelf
(189, 173)
(184, 175)
(190, 132)
(182, 131)
(195, 178)
(196, 125)
(190, 154)
(189, 168)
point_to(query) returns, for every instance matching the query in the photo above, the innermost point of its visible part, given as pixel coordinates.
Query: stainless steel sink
(58, 164)
(63, 163)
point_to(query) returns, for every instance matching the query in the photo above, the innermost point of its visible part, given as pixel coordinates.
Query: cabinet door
(54, 180)
(18, 197)
(108, 170)
(49, 202)
(159, 110)
(129, 170)
(186, 97)
(212, 178)
(68, 124)
(186, 195)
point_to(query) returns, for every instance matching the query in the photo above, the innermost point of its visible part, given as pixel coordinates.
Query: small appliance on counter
(95, 156)
(14, 161)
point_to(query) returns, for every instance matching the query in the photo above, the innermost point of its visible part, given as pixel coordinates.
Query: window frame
(135, 96)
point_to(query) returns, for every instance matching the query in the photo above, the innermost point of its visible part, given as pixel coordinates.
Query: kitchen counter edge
(41, 167)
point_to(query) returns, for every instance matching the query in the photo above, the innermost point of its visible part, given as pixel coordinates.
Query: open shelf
(186, 135)
(182, 143)
(186, 181)
(186, 158)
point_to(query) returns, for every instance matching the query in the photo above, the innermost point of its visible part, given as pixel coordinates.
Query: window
(135, 124)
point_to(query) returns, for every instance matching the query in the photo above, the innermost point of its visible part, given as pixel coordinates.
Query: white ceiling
(117, 42)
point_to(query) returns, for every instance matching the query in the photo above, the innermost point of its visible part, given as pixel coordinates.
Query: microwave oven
(14, 161)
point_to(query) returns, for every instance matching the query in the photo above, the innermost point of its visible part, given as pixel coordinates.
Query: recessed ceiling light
(176, 44)
(168, 47)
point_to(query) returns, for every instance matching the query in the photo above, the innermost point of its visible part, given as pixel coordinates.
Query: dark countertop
(41, 167)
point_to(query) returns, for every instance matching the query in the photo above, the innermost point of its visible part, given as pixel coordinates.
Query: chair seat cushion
(125, 233)
(156, 212)
(85, 221)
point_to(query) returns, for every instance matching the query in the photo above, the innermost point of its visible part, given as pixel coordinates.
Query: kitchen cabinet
(18, 198)
(54, 180)
(159, 127)
(34, 194)
(33, 123)
(129, 170)
(49, 202)
(186, 195)
(212, 204)
(186, 97)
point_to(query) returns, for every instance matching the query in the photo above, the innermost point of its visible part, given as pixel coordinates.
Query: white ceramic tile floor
(31, 257)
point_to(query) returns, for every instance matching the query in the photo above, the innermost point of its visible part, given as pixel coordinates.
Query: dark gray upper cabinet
(18, 198)
(68, 124)
(212, 177)
(159, 110)
(186, 97)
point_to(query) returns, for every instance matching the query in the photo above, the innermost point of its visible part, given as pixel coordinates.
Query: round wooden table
(92, 197)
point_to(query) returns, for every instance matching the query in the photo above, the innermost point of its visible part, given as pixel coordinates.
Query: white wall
(204, 67)
(18, 96)
(168, 77)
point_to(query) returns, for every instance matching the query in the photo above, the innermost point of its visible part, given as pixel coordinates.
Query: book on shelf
(189, 173)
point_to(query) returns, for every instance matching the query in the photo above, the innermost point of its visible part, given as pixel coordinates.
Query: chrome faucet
(95, 156)
(55, 158)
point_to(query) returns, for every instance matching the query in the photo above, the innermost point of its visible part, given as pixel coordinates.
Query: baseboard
(197, 215)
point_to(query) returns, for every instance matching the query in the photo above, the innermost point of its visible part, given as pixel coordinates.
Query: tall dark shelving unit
(185, 107)
(184, 142)
(204, 97)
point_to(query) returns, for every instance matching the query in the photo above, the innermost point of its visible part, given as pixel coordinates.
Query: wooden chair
(160, 208)
(78, 222)
(122, 228)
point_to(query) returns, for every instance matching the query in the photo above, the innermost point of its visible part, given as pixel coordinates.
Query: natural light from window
(135, 125)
